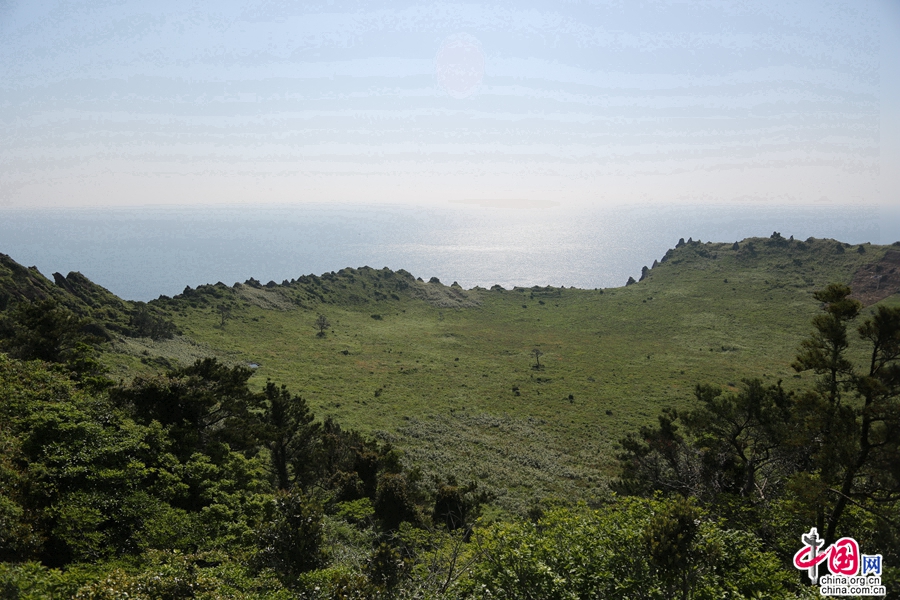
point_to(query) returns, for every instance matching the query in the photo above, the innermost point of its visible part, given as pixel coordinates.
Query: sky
(519, 104)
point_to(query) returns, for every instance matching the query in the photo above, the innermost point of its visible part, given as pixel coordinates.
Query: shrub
(291, 543)
(623, 551)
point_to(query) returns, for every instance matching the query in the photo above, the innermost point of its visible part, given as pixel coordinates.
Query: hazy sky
(132, 103)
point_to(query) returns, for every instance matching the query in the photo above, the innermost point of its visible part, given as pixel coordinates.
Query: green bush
(291, 542)
(631, 548)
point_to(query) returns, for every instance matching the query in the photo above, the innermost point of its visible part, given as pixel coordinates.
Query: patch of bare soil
(269, 299)
(875, 282)
(443, 296)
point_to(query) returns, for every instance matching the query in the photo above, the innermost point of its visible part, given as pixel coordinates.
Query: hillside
(108, 314)
(448, 374)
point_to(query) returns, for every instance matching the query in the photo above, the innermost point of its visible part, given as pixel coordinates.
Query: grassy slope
(439, 381)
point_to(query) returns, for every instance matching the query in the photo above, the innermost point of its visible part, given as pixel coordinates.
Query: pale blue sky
(510, 103)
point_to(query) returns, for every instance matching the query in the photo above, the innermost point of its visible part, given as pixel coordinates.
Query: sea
(142, 253)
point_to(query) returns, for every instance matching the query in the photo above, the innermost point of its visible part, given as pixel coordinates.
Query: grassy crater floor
(449, 375)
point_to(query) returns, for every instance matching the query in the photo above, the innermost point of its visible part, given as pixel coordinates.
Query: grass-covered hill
(107, 314)
(450, 375)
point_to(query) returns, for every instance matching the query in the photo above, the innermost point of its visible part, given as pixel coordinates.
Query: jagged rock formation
(441, 296)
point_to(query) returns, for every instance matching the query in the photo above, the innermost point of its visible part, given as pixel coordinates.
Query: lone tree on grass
(537, 354)
(224, 314)
(321, 324)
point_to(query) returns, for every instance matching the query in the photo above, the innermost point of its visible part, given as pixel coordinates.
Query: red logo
(842, 556)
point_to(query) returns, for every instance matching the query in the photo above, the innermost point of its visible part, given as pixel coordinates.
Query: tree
(457, 506)
(733, 445)
(291, 541)
(743, 439)
(42, 330)
(321, 324)
(393, 502)
(292, 436)
(204, 404)
(449, 507)
(48, 331)
(144, 323)
(659, 459)
(224, 314)
(852, 416)
(825, 350)
(670, 540)
(537, 354)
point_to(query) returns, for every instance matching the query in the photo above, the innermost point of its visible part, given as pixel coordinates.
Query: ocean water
(141, 253)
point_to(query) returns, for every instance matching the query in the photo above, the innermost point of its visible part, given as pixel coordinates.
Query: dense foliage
(628, 549)
(189, 472)
(826, 457)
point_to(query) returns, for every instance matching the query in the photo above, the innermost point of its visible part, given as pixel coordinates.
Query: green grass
(447, 375)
